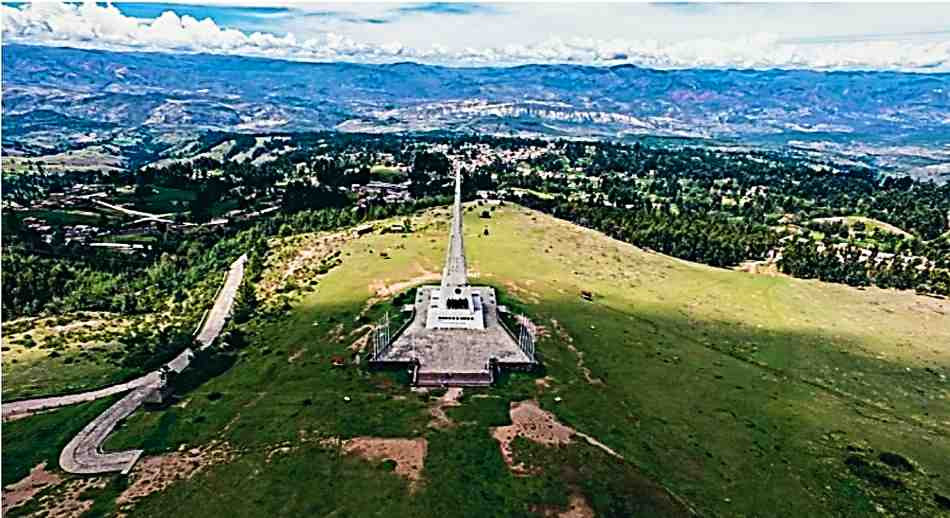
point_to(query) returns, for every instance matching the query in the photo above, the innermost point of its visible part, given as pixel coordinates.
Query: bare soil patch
(577, 507)
(381, 290)
(544, 382)
(153, 474)
(298, 257)
(437, 410)
(531, 422)
(76, 325)
(69, 503)
(409, 454)
(365, 332)
(759, 268)
(21, 415)
(296, 355)
(22, 491)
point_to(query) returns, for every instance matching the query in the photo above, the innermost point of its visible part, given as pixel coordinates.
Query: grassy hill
(740, 395)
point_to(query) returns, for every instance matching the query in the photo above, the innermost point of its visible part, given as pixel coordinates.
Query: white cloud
(91, 25)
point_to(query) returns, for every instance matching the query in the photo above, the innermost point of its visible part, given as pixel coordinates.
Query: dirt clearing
(531, 422)
(535, 424)
(20, 492)
(409, 454)
(153, 474)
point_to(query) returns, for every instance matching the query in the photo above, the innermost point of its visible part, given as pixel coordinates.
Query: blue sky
(672, 35)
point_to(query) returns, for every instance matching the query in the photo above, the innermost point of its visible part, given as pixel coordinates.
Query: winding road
(83, 453)
(212, 327)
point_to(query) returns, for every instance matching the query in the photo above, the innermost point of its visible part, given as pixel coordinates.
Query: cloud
(91, 25)
(447, 8)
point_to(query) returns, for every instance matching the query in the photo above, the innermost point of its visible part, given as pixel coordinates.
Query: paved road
(222, 304)
(83, 454)
(36, 405)
(212, 326)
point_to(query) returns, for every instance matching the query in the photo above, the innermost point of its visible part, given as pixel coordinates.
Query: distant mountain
(55, 98)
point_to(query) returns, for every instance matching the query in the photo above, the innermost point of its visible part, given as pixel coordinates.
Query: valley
(131, 106)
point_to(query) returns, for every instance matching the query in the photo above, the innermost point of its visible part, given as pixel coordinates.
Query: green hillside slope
(742, 395)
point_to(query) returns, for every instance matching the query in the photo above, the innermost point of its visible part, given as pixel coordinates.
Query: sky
(908, 37)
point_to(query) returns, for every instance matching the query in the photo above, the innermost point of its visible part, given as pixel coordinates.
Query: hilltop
(723, 392)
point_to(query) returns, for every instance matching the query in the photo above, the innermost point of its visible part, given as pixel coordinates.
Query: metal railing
(526, 340)
(381, 338)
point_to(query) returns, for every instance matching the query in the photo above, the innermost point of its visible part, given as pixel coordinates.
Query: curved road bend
(212, 327)
(84, 453)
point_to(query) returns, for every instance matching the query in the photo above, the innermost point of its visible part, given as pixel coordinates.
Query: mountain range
(64, 98)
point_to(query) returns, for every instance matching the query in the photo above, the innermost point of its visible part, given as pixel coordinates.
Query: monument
(456, 305)
(455, 336)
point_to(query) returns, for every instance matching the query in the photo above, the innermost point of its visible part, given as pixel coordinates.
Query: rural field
(702, 390)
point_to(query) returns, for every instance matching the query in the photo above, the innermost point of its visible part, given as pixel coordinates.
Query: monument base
(455, 357)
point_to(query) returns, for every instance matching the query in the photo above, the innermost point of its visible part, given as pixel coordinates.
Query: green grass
(75, 352)
(870, 224)
(488, 410)
(743, 394)
(611, 486)
(164, 200)
(64, 217)
(40, 438)
(312, 481)
(41, 358)
(66, 354)
(387, 174)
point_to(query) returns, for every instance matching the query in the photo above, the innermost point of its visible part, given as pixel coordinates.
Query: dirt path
(145, 216)
(439, 418)
(567, 339)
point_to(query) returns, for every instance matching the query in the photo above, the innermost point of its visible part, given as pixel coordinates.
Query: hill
(57, 98)
(729, 393)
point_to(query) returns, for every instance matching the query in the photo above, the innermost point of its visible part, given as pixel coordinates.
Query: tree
(245, 305)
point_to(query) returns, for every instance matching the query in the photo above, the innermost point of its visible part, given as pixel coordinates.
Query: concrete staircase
(453, 379)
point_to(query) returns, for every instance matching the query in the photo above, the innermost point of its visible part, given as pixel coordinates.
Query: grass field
(744, 395)
(163, 200)
(58, 355)
(64, 217)
(83, 351)
(386, 173)
(40, 438)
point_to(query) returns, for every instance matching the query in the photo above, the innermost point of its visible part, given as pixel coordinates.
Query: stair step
(454, 379)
